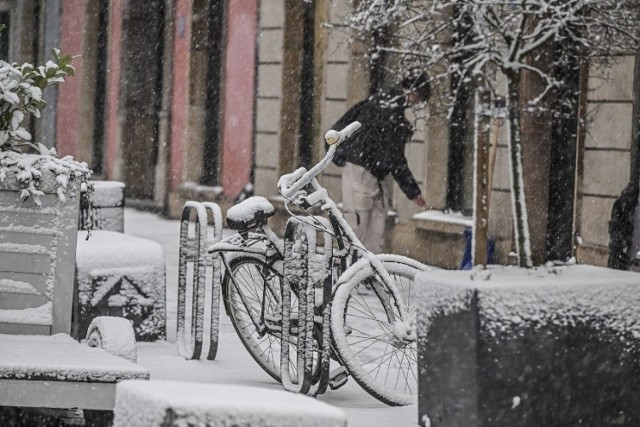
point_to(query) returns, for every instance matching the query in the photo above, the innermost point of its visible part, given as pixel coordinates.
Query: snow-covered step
(154, 403)
(59, 372)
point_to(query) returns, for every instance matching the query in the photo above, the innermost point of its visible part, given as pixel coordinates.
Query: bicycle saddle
(251, 212)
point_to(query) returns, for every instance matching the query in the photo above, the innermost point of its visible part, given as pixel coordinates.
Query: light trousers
(364, 206)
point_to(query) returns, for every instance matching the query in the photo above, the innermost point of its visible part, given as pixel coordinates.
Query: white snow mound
(154, 403)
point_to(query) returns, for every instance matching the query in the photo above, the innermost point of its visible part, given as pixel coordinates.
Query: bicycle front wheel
(364, 318)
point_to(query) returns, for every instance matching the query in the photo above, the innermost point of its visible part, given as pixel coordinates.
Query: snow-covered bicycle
(372, 330)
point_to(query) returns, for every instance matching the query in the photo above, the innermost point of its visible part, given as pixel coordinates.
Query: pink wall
(69, 92)
(239, 89)
(113, 87)
(180, 90)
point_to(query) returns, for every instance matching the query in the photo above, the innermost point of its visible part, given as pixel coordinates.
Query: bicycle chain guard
(193, 249)
(307, 274)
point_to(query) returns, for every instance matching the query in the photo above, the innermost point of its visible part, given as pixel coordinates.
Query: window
(5, 19)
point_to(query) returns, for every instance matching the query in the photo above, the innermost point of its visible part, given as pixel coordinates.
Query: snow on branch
(471, 37)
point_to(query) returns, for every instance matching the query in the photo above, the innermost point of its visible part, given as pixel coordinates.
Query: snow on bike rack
(307, 268)
(193, 249)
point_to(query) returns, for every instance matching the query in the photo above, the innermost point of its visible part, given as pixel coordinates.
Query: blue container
(467, 259)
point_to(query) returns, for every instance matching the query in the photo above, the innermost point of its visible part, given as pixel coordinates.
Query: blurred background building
(195, 99)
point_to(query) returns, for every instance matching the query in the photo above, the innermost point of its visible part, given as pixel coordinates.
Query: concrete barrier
(155, 403)
(553, 346)
(124, 276)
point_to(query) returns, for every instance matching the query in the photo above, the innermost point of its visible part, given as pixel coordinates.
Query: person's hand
(420, 201)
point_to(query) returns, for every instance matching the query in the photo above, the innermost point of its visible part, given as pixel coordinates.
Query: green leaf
(69, 70)
(40, 81)
(64, 61)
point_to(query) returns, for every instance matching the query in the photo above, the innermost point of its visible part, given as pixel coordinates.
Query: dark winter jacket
(379, 145)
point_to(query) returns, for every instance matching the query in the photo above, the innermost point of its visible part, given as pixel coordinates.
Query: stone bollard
(551, 346)
(124, 276)
(107, 208)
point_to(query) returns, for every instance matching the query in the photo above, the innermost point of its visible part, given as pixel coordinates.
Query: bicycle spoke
(401, 371)
(380, 365)
(378, 338)
(400, 367)
(364, 303)
(382, 359)
(364, 315)
(382, 324)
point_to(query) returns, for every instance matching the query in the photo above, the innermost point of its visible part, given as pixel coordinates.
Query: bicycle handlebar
(333, 136)
(289, 184)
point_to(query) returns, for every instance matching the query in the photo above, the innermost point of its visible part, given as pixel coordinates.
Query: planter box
(37, 257)
(543, 347)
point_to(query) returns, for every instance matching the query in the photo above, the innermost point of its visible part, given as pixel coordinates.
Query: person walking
(375, 152)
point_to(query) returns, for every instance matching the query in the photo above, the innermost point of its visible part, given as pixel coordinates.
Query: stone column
(239, 96)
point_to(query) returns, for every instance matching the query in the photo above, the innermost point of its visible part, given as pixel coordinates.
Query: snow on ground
(233, 364)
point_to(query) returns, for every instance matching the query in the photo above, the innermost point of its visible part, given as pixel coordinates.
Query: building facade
(195, 99)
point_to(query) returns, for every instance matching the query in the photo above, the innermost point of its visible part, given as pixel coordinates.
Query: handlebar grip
(337, 137)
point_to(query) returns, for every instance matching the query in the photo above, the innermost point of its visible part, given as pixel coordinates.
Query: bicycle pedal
(338, 377)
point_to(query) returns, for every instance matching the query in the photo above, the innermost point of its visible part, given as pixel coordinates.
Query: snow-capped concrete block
(107, 207)
(124, 276)
(554, 345)
(155, 403)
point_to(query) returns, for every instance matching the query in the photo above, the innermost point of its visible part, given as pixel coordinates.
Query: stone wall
(268, 95)
(606, 155)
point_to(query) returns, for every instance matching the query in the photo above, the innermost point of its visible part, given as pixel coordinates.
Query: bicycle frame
(291, 186)
(314, 328)
(341, 228)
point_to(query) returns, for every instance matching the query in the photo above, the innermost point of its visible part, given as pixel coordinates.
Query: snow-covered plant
(491, 43)
(21, 89)
(21, 158)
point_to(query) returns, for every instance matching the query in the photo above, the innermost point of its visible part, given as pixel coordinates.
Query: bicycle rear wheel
(362, 322)
(245, 283)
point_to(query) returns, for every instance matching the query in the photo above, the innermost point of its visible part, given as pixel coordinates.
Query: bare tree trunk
(518, 201)
(481, 177)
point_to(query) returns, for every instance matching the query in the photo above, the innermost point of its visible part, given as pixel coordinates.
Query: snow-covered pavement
(233, 364)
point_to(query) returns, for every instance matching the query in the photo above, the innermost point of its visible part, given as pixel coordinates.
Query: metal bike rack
(193, 249)
(307, 269)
